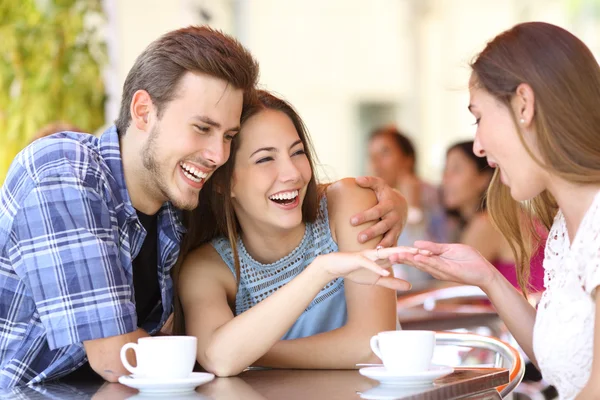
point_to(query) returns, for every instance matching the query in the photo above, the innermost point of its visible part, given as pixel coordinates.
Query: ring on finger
(377, 251)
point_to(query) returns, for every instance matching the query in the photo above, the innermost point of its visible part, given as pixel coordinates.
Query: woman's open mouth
(287, 200)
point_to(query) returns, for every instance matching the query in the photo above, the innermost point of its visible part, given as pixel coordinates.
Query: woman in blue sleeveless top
(287, 285)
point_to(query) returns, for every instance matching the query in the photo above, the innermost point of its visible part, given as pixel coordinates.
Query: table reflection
(394, 392)
(283, 384)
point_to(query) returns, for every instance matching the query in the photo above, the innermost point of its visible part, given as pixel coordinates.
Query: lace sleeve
(592, 276)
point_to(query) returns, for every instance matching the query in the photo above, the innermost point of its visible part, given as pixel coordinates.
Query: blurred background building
(347, 65)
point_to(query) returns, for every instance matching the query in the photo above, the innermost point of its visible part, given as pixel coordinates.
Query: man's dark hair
(197, 49)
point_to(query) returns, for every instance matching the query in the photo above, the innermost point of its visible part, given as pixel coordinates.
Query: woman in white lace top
(535, 93)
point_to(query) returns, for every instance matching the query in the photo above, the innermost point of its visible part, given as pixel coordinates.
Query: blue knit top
(258, 281)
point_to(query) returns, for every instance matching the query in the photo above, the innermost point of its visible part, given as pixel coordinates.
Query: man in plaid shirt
(90, 227)
(77, 212)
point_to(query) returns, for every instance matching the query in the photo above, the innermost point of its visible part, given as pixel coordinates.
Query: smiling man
(90, 227)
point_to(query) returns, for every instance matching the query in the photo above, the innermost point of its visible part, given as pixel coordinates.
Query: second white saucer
(157, 386)
(384, 376)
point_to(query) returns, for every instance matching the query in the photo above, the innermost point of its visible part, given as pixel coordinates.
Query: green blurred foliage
(578, 7)
(51, 60)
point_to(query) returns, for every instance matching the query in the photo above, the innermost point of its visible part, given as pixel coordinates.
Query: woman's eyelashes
(477, 121)
(299, 152)
(264, 160)
(269, 158)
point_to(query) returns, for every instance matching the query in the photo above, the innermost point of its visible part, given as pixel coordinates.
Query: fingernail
(354, 221)
(385, 272)
(363, 238)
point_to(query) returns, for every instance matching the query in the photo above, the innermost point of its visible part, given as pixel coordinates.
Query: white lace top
(563, 335)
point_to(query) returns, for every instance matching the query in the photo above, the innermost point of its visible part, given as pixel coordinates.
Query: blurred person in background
(465, 182)
(393, 158)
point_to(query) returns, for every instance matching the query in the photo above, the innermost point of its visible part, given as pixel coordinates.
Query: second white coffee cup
(404, 351)
(162, 357)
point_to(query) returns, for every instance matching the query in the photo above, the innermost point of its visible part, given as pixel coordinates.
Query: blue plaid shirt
(68, 235)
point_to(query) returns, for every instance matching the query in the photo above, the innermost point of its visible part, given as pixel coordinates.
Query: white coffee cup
(164, 357)
(404, 351)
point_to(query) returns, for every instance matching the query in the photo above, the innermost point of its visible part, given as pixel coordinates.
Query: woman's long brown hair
(565, 79)
(215, 215)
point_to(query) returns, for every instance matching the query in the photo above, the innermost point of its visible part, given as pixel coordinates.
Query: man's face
(191, 139)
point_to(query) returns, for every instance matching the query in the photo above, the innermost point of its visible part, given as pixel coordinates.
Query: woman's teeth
(192, 172)
(284, 197)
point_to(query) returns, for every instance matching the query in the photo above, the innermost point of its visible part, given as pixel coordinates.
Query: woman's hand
(368, 267)
(450, 262)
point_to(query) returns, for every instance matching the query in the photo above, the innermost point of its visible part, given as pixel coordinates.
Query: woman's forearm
(337, 349)
(241, 341)
(514, 310)
(346, 346)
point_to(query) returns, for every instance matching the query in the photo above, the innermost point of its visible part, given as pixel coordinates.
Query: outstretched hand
(368, 267)
(449, 262)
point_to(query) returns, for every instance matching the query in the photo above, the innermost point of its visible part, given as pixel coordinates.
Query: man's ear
(141, 110)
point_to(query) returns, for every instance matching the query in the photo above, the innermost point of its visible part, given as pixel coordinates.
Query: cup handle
(129, 367)
(375, 347)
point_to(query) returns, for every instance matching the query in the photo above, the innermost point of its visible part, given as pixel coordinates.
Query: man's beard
(156, 181)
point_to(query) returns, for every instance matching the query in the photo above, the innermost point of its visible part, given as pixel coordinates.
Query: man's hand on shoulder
(390, 212)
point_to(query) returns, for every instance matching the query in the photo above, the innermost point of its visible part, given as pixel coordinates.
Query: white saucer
(406, 378)
(161, 386)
